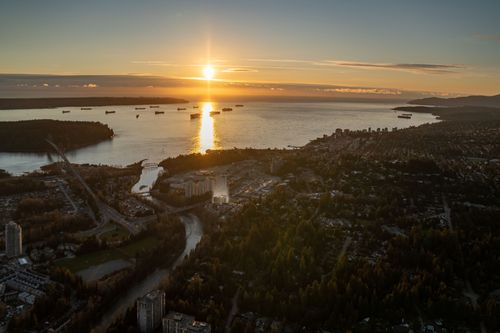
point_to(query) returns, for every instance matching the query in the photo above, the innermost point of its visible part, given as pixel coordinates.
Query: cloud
(152, 63)
(409, 67)
(239, 70)
(280, 60)
(375, 91)
(489, 37)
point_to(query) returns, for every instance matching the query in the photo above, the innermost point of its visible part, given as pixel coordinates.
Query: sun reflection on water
(206, 133)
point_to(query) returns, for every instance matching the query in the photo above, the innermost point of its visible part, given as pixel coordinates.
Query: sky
(372, 49)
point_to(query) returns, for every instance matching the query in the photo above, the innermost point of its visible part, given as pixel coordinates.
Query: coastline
(260, 125)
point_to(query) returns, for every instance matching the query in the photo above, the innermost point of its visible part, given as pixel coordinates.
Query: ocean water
(157, 136)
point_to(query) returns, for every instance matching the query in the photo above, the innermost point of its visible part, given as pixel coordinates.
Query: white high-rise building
(220, 189)
(13, 240)
(150, 310)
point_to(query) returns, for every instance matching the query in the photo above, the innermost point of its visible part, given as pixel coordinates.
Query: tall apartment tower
(150, 310)
(13, 240)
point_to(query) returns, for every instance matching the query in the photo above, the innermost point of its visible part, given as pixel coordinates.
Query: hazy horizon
(36, 86)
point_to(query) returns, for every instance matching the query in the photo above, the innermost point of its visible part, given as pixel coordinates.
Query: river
(194, 232)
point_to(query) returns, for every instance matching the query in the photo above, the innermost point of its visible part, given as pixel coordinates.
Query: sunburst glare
(208, 72)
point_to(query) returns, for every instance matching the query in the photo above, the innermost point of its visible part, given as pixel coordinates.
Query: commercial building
(150, 310)
(176, 322)
(18, 278)
(197, 186)
(200, 184)
(13, 240)
(193, 186)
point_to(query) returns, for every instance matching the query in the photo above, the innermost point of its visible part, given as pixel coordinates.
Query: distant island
(462, 113)
(46, 103)
(486, 101)
(471, 108)
(29, 135)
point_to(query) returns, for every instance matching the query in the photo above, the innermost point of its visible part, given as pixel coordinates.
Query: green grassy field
(118, 233)
(96, 258)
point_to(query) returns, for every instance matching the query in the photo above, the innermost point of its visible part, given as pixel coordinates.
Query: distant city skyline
(383, 49)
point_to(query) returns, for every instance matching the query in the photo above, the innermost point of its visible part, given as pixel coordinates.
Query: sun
(208, 72)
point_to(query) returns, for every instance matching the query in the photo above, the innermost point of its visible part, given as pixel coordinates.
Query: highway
(107, 213)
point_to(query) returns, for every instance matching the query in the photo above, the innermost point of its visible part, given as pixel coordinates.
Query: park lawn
(118, 233)
(144, 245)
(126, 252)
(90, 259)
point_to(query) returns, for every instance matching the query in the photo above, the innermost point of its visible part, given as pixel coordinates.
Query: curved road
(194, 232)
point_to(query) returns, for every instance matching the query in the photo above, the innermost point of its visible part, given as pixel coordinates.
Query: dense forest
(184, 163)
(30, 135)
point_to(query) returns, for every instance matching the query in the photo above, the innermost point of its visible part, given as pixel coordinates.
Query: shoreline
(351, 118)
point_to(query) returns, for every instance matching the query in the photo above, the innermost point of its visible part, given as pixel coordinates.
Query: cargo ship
(140, 108)
(404, 116)
(85, 108)
(213, 113)
(154, 106)
(195, 106)
(66, 111)
(159, 112)
(195, 115)
(227, 109)
(180, 109)
(106, 112)
(239, 105)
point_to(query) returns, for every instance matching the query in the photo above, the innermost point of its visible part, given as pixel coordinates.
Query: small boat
(213, 113)
(227, 109)
(239, 105)
(85, 108)
(136, 116)
(195, 106)
(66, 111)
(180, 109)
(140, 108)
(195, 115)
(154, 106)
(404, 116)
(107, 112)
(159, 112)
